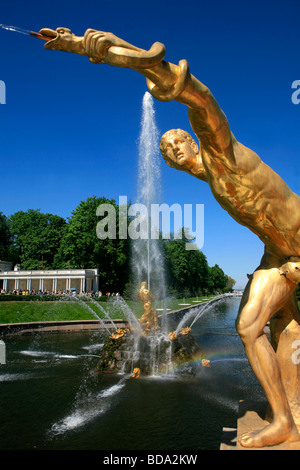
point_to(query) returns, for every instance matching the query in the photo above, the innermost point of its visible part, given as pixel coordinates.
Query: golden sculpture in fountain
(183, 331)
(136, 373)
(251, 192)
(149, 319)
(119, 333)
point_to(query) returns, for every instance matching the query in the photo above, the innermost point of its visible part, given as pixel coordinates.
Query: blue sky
(69, 128)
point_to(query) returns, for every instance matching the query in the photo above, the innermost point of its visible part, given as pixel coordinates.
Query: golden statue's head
(180, 151)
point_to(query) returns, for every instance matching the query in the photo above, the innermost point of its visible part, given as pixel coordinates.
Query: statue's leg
(267, 292)
(283, 318)
(285, 336)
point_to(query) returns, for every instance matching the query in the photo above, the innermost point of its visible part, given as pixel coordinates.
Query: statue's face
(179, 153)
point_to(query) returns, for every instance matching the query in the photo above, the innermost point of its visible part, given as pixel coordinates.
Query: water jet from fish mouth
(26, 32)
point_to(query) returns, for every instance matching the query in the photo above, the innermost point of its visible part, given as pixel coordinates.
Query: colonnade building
(81, 280)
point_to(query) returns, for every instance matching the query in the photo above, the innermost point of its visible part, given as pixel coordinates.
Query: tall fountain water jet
(147, 260)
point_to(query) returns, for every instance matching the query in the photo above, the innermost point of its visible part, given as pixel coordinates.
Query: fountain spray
(147, 257)
(27, 32)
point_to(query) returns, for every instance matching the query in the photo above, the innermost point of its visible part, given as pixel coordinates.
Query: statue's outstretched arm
(166, 81)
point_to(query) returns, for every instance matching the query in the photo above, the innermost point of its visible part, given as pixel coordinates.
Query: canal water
(51, 396)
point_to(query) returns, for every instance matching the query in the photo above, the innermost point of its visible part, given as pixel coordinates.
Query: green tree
(298, 292)
(230, 283)
(187, 270)
(81, 247)
(217, 278)
(36, 237)
(5, 238)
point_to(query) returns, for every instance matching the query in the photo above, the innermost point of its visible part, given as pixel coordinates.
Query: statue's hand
(97, 43)
(106, 48)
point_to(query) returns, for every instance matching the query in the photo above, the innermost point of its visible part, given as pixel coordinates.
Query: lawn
(21, 312)
(33, 311)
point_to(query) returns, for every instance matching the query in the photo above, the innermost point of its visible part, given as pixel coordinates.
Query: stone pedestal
(251, 417)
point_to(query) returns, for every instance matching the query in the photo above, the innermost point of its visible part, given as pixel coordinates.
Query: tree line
(36, 240)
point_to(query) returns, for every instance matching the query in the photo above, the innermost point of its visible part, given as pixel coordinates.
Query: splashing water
(120, 304)
(94, 302)
(88, 408)
(199, 312)
(84, 304)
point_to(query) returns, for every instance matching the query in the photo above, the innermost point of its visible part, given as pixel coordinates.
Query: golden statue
(172, 335)
(250, 191)
(205, 362)
(119, 333)
(183, 331)
(136, 373)
(149, 319)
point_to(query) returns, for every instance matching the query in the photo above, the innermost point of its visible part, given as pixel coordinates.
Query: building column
(5, 285)
(96, 282)
(54, 286)
(29, 285)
